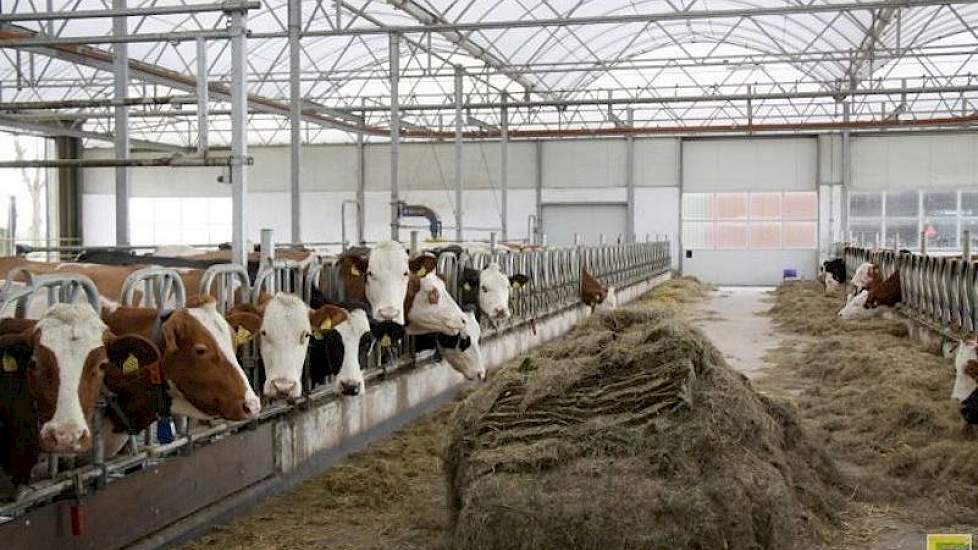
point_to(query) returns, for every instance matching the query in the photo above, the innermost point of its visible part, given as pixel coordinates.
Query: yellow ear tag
(9, 363)
(467, 286)
(354, 271)
(422, 272)
(385, 342)
(130, 365)
(326, 325)
(517, 285)
(243, 336)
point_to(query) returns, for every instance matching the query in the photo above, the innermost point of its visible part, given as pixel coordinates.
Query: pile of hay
(802, 307)
(633, 433)
(881, 403)
(676, 294)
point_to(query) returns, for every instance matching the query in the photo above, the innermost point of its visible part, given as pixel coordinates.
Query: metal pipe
(182, 9)
(12, 224)
(459, 100)
(120, 62)
(414, 242)
(202, 112)
(923, 243)
(504, 167)
(92, 103)
(129, 162)
(346, 243)
(295, 117)
(361, 191)
(266, 255)
(395, 131)
(538, 188)
(677, 15)
(630, 179)
(966, 245)
(141, 38)
(239, 136)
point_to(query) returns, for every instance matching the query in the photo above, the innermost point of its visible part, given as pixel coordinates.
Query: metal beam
(459, 100)
(428, 18)
(677, 15)
(395, 131)
(120, 64)
(183, 9)
(141, 38)
(866, 53)
(202, 114)
(630, 181)
(295, 119)
(504, 169)
(59, 130)
(95, 103)
(172, 161)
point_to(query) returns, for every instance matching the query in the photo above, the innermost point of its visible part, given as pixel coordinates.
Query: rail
(938, 291)
(553, 287)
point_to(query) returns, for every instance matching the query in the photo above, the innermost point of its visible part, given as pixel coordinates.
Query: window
(190, 220)
(757, 221)
(898, 218)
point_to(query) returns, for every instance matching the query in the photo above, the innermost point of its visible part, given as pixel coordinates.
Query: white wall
(909, 162)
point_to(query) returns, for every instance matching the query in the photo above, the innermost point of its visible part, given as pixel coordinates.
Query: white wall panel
(749, 267)
(657, 162)
(914, 162)
(657, 213)
(432, 166)
(584, 163)
(787, 164)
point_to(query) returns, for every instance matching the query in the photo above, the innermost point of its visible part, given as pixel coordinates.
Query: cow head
(385, 278)
(592, 291)
(966, 378)
(465, 354)
(432, 308)
(63, 357)
(352, 332)
(285, 329)
(494, 289)
(200, 366)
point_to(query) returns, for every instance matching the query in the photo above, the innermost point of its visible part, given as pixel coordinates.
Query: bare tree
(34, 181)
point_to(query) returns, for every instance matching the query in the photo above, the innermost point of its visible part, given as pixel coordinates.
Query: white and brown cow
(52, 374)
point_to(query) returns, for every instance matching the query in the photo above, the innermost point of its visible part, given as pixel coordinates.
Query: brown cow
(887, 293)
(592, 291)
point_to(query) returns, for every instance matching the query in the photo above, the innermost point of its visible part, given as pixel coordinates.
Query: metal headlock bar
(553, 288)
(940, 292)
(60, 288)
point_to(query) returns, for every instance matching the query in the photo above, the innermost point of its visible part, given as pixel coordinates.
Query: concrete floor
(730, 319)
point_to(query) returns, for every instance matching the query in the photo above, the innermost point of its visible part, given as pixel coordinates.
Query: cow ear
(971, 369)
(423, 265)
(130, 353)
(434, 296)
(244, 325)
(354, 266)
(326, 319)
(519, 280)
(15, 351)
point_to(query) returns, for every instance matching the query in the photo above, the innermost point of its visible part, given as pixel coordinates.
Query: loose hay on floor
(881, 404)
(676, 294)
(633, 433)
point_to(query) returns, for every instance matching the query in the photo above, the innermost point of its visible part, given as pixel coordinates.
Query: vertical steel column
(295, 117)
(361, 191)
(458, 152)
(630, 180)
(504, 166)
(846, 169)
(202, 98)
(239, 136)
(395, 70)
(120, 66)
(538, 184)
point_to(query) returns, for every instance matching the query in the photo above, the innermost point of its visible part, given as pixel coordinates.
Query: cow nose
(501, 313)
(282, 386)
(251, 406)
(65, 438)
(389, 313)
(349, 388)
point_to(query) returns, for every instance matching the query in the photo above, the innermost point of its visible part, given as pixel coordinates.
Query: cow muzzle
(65, 438)
(388, 314)
(350, 387)
(281, 388)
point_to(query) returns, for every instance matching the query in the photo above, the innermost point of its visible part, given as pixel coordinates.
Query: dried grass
(803, 308)
(390, 496)
(676, 294)
(882, 404)
(633, 433)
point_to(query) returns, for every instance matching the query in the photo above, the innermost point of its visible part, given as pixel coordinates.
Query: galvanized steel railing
(940, 291)
(554, 286)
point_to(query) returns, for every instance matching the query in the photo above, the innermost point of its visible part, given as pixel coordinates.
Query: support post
(395, 69)
(267, 254)
(458, 152)
(120, 62)
(239, 141)
(202, 99)
(504, 167)
(538, 183)
(846, 168)
(630, 180)
(361, 191)
(966, 245)
(295, 118)
(923, 243)
(414, 242)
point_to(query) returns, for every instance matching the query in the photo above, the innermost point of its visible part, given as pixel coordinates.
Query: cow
(488, 291)
(855, 308)
(431, 309)
(380, 279)
(865, 276)
(887, 293)
(464, 351)
(835, 270)
(290, 331)
(965, 388)
(52, 373)
(592, 291)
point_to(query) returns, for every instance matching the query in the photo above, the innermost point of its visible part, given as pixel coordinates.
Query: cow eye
(263, 333)
(485, 289)
(305, 336)
(405, 273)
(200, 349)
(370, 274)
